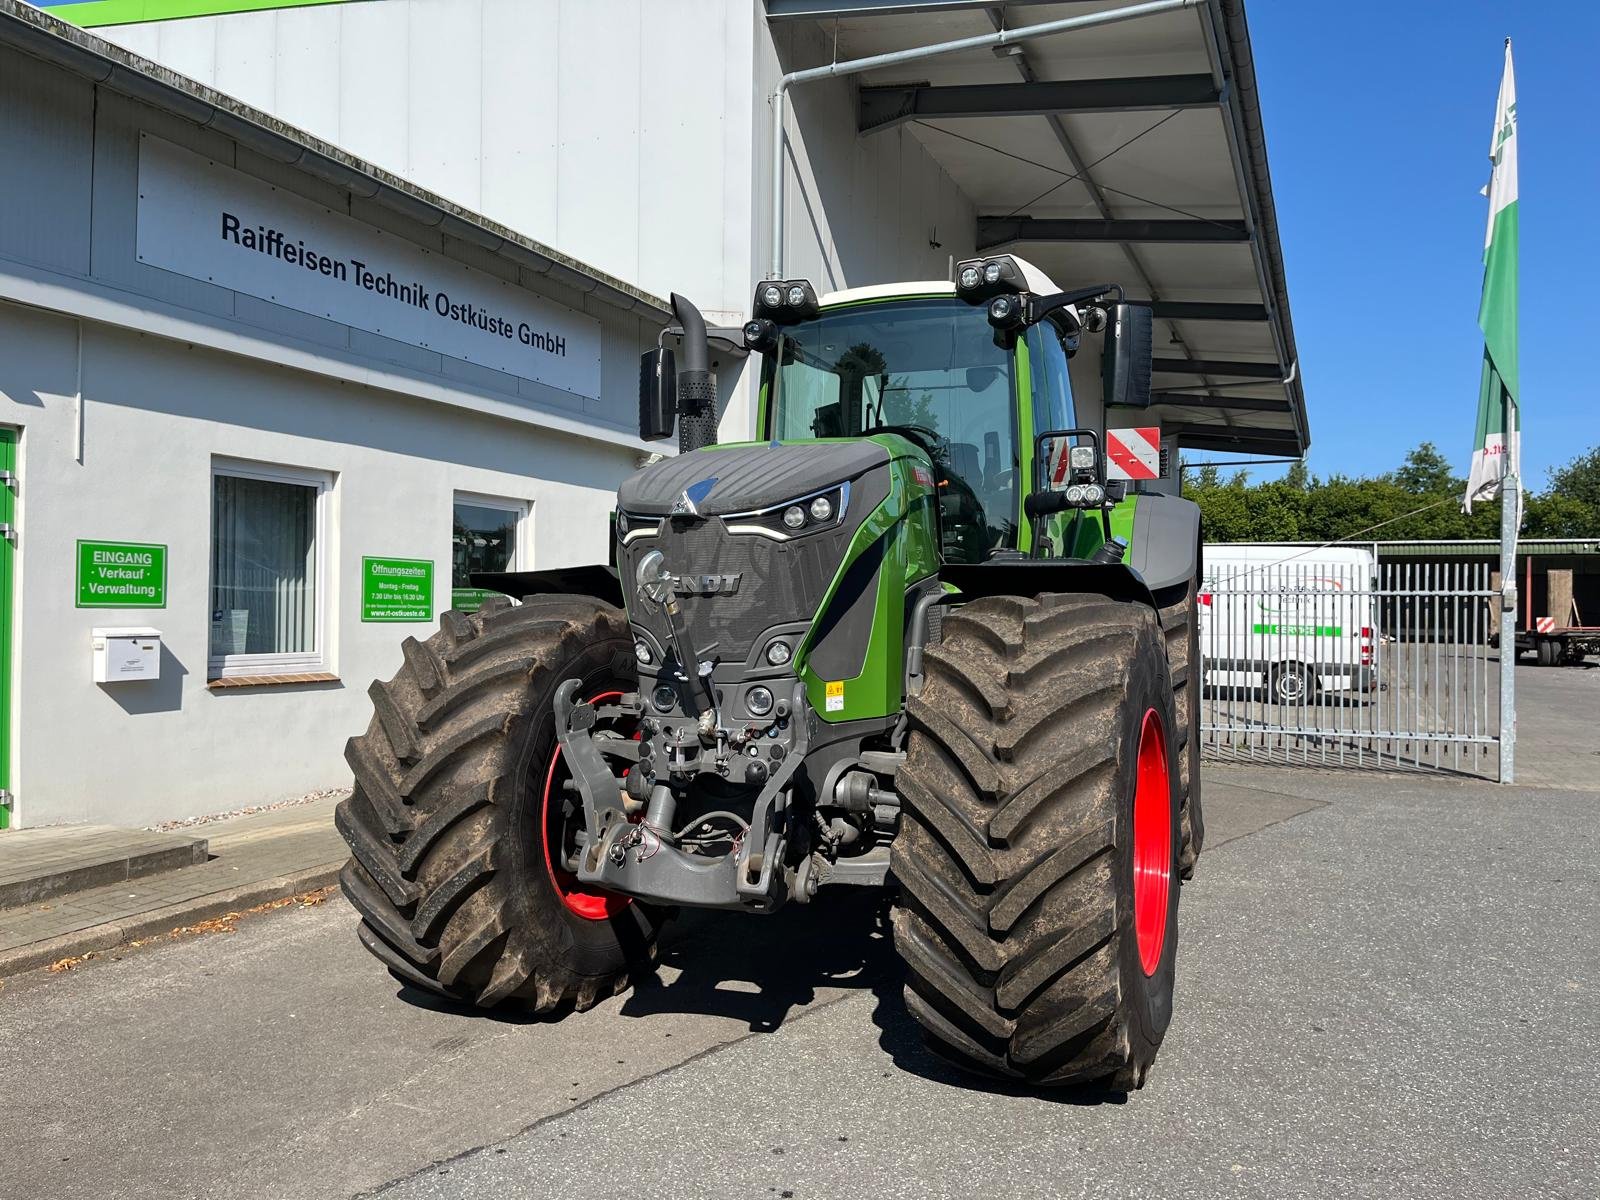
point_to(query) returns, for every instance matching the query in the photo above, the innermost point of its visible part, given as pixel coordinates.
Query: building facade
(309, 308)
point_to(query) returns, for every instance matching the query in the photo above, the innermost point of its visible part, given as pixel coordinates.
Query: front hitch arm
(597, 786)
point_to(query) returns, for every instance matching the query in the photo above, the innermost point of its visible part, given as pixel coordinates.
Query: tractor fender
(1034, 577)
(597, 581)
(1166, 540)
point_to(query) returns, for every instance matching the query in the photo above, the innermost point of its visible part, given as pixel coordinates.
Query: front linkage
(629, 792)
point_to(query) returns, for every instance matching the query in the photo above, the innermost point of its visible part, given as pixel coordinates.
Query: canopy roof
(1130, 153)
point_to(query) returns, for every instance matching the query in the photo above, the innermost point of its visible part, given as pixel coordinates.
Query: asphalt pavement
(1387, 986)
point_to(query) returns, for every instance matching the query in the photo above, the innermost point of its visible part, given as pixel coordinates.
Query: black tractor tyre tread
(447, 869)
(1011, 921)
(1180, 624)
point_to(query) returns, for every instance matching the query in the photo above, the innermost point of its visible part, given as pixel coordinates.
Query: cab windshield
(928, 369)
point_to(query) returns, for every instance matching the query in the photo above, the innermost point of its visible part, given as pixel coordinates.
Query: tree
(1426, 472)
(1418, 500)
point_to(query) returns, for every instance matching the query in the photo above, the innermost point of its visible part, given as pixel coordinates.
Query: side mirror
(658, 394)
(1125, 368)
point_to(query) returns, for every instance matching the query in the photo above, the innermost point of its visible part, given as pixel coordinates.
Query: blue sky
(1378, 119)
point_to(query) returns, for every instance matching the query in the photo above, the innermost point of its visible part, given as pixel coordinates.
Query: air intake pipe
(697, 387)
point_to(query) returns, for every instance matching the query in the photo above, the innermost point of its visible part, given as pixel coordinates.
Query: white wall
(155, 413)
(618, 131)
(857, 210)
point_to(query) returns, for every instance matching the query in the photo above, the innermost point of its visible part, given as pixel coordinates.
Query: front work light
(1082, 457)
(978, 279)
(794, 516)
(821, 508)
(785, 301)
(778, 653)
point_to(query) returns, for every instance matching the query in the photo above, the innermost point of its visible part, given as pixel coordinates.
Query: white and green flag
(1492, 458)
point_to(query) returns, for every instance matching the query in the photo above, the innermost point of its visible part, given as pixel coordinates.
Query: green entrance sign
(396, 589)
(121, 575)
(469, 599)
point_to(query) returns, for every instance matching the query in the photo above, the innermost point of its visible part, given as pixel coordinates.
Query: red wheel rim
(590, 903)
(1152, 843)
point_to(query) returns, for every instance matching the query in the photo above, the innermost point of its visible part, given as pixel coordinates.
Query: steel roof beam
(1201, 310)
(1213, 366)
(792, 10)
(886, 106)
(1220, 437)
(998, 231)
(1238, 403)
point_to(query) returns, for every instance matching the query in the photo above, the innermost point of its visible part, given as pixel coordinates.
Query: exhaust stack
(697, 387)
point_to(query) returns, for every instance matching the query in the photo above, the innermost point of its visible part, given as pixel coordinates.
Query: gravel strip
(190, 822)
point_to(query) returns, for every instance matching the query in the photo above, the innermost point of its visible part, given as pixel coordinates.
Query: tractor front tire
(458, 798)
(1038, 848)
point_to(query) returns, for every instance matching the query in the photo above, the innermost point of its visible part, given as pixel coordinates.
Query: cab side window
(1052, 388)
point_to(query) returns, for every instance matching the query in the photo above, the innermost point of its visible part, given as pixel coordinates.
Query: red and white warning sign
(1133, 453)
(1544, 624)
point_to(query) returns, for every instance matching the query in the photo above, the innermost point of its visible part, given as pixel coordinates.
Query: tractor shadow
(760, 969)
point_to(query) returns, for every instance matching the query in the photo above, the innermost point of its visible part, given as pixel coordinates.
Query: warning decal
(1133, 453)
(835, 696)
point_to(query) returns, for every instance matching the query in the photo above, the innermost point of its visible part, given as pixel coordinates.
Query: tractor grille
(780, 582)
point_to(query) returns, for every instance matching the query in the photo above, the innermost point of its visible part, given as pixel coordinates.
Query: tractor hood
(720, 480)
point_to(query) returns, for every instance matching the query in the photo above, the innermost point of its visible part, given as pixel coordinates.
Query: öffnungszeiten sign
(211, 222)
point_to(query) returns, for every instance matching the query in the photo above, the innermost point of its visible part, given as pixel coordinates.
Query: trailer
(1560, 638)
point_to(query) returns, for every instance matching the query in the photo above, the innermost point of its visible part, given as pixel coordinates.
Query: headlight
(641, 651)
(797, 295)
(1093, 493)
(1075, 494)
(759, 701)
(772, 296)
(991, 272)
(778, 653)
(970, 277)
(622, 521)
(801, 517)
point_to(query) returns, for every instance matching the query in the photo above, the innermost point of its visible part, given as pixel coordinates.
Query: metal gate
(1351, 665)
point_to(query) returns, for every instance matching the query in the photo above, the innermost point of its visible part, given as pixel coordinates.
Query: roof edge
(1235, 45)
(40, 35)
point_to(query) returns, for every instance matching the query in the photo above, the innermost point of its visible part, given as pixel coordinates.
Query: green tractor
(910, 638)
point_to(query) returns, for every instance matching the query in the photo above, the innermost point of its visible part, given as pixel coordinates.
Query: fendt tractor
(911, 638)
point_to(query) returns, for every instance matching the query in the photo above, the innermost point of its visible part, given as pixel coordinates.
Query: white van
(1288, 621)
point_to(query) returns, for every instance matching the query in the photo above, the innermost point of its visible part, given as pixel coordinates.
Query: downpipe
(855, 66)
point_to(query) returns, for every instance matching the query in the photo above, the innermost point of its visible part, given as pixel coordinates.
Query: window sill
(255, 681)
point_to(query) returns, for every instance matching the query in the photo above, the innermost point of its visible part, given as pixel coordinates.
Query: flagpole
(1510, 517)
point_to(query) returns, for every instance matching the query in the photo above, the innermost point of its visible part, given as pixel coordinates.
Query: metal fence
(1351, 664)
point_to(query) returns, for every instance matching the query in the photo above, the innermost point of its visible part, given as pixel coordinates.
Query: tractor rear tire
(1180, 623)
(450, 820)
(1038, 848)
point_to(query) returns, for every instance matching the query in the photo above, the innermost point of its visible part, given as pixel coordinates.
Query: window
(268, 576)
(930, 366)
(1052, 386)
(486, 535)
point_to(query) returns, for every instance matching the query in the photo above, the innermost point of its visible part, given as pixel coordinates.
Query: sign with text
(121, 575)
(216, 224)
(396, 589)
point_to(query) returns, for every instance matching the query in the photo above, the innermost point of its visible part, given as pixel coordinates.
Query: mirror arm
(1040, 307)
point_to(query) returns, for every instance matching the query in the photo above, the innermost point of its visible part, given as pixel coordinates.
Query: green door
(8, 572)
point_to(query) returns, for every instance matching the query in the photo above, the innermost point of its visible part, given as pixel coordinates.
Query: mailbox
(126, 652)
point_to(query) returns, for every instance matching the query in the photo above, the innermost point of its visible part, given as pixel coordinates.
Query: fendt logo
(707, 585)
(690, 499)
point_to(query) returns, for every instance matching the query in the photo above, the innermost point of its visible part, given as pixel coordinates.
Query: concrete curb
(162, 920)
